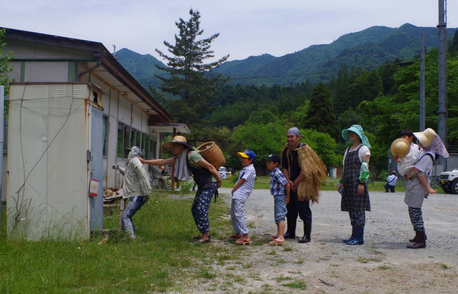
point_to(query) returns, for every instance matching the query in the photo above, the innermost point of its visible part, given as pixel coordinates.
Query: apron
(351, 200)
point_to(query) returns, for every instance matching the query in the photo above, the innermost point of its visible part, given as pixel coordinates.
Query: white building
(47, 67)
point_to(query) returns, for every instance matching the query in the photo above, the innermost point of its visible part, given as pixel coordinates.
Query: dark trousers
(295, 208)
(389, 187)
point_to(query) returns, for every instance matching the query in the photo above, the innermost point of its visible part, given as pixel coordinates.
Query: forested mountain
(142, 67)
(367, 49)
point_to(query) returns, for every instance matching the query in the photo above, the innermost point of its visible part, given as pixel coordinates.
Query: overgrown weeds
(161, 253)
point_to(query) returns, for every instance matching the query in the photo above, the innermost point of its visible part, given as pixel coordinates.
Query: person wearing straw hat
(406, 154)
(405, 151)
(353, 184)
(188, 161)
(431, 147)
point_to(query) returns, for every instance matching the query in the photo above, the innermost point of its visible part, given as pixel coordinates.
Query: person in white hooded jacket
(136, 187)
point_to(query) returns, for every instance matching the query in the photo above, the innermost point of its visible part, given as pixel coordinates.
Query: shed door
(96, 203)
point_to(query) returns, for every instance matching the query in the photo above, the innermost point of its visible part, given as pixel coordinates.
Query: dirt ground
(327, 265)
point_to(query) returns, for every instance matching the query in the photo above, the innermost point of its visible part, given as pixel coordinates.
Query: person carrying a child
(431, 147)
(187, 160)
(406, 154)
(240, 193)
(279, 188)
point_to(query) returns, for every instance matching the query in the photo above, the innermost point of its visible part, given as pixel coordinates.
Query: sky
(246, 28)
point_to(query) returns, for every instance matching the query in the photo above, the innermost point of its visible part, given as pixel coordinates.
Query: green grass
(152, 263)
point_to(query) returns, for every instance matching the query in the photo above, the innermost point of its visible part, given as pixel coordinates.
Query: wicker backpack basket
(212, 153)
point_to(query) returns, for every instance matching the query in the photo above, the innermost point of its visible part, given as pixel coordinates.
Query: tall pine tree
(187, 80)
(320, 115)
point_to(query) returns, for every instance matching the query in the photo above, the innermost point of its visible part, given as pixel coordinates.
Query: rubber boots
(358, 237)
(307, 232)
(352, 235)
(291, 229)
(420, 241)
(415, 238)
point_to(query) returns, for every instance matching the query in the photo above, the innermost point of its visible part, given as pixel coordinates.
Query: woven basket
(211, 153)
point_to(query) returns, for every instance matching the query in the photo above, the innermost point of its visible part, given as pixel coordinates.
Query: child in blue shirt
(279, 188)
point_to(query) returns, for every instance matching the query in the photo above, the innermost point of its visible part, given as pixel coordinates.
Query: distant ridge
(367, 49)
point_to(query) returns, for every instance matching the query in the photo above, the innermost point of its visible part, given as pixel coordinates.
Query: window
(105, 137)
(138, 139)
(145, 145)
(120, 145)
(124, 140)
(127, 141)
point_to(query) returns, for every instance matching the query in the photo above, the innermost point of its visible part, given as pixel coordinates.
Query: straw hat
(179, 140)
(400, 148)
(425, 137)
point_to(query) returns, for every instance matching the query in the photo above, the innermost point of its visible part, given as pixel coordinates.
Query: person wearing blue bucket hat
(353, 184)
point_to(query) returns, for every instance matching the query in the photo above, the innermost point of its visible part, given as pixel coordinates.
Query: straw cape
(314, 171)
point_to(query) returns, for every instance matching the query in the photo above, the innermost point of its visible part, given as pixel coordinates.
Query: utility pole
(2, 135)
(422, 84)
(442, 111)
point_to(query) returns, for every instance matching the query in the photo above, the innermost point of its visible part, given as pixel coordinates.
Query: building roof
(102, 63)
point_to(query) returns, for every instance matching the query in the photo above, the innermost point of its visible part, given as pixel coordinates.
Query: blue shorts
(280, 208)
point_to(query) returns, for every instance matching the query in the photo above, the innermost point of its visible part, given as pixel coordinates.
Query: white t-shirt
(391, 180)
(409, 161)
(363, 151)
(425, 164)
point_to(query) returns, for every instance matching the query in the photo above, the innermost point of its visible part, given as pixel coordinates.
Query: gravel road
(326, 265)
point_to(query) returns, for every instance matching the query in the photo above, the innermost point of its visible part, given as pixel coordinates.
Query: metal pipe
(80, 74)
(442, 109)
(2, 134)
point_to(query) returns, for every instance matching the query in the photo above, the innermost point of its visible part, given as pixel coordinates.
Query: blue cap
(247, 154)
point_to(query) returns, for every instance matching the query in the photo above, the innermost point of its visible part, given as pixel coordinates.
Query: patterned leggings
(416, 218)
(200, 208)
(357, 218)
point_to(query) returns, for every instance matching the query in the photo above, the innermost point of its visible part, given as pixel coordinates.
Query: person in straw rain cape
(187, 161)
(304, 171)
(353, 184)
(431, 147)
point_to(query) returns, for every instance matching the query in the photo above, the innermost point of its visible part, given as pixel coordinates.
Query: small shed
(80, 86)
(55, 154)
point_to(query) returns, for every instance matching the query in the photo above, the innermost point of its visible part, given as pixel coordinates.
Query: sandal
(243, 241)
(201, 242)
(198, 237)
(277, 242)
(273, 237)
(235, 237)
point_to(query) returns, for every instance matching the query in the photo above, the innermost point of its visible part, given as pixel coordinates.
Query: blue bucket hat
(359, 131)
